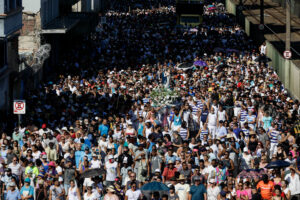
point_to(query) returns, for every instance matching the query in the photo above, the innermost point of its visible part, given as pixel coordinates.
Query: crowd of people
(234, 118)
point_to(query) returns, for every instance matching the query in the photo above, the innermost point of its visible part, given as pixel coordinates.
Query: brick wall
(31, 22)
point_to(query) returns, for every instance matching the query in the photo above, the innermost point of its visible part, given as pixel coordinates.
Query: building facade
(10, 24)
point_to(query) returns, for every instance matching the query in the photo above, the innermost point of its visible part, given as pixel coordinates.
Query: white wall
(33, 6)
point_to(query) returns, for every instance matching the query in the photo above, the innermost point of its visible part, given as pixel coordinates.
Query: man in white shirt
(95, 162)
(294, 182)
(212, 190)
(221, 131)
(15, 167)
(111, 170)
(182, 189)
(212, 122)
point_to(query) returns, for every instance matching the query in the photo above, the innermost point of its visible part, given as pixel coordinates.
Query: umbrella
(251, 173)
(218, 49)
(278, 164)
(92, 173)
(200, 63)
(185, 66)
(222, 66)
(232, 50)
(193, 30)
(263, 59)
(149, 188)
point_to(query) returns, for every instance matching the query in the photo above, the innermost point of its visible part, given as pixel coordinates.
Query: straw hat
(181, 177)
(111, 189)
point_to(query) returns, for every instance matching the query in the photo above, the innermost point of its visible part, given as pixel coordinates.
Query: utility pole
(287, 68)
(288, 26)
(261, 11)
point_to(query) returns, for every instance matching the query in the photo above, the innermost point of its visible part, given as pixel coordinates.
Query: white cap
(110, 157)
(245, 149)
(212, 180)
(60, 179)
(157, 170)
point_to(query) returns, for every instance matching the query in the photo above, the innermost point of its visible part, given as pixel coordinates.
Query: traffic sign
(287, 54)
(19, 107)
(261, 27)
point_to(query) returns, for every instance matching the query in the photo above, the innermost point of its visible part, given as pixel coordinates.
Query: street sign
(287, 54)
(261, 27)
(19, 107)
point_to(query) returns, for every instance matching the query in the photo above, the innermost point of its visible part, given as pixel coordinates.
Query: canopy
(200, 63)
(92, 173)
(149, 188)
(278, 164)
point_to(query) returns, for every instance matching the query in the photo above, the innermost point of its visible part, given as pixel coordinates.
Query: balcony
(10, 22)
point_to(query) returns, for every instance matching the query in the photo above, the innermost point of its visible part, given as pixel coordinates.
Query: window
(3, 54)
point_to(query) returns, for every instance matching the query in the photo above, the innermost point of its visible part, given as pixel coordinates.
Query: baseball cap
(27, 180)
(110, 157)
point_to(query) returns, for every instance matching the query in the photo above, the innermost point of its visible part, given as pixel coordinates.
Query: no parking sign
(19, 107)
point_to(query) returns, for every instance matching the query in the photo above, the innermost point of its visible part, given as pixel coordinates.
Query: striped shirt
(146, 100)
(200, 104)
(202, 133)
(195, 109)
(183, 133)
(243, 115)
(246, 132)
(250, 108)
(274, 136)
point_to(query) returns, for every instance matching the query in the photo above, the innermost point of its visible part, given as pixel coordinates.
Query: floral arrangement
(164, 96)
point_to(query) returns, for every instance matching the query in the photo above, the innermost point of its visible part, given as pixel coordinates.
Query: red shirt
(169, 173)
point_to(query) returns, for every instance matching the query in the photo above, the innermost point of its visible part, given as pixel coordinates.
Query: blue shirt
(267, 122)
(89, 156)
(15, 195)
(177, 120)
(103, 129)
(78, 155)
(197, 192)
(221, 132)
(27, 191)
(140, 129)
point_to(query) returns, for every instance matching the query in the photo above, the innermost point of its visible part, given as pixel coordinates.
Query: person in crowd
(133, 193)
(141, 99)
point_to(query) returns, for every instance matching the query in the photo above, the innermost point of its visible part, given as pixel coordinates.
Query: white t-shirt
(15, 169)
(91, 197)
(36, 155)
(222, 115)
(212, 119)
(294, 183)
(59, 169)
(95, 164)
(212, 193)
(111, 170)
(182, 191)
(210, 170)
(133, 195)
(103, 145)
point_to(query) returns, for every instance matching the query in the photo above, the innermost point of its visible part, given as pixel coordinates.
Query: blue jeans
(66, 187)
